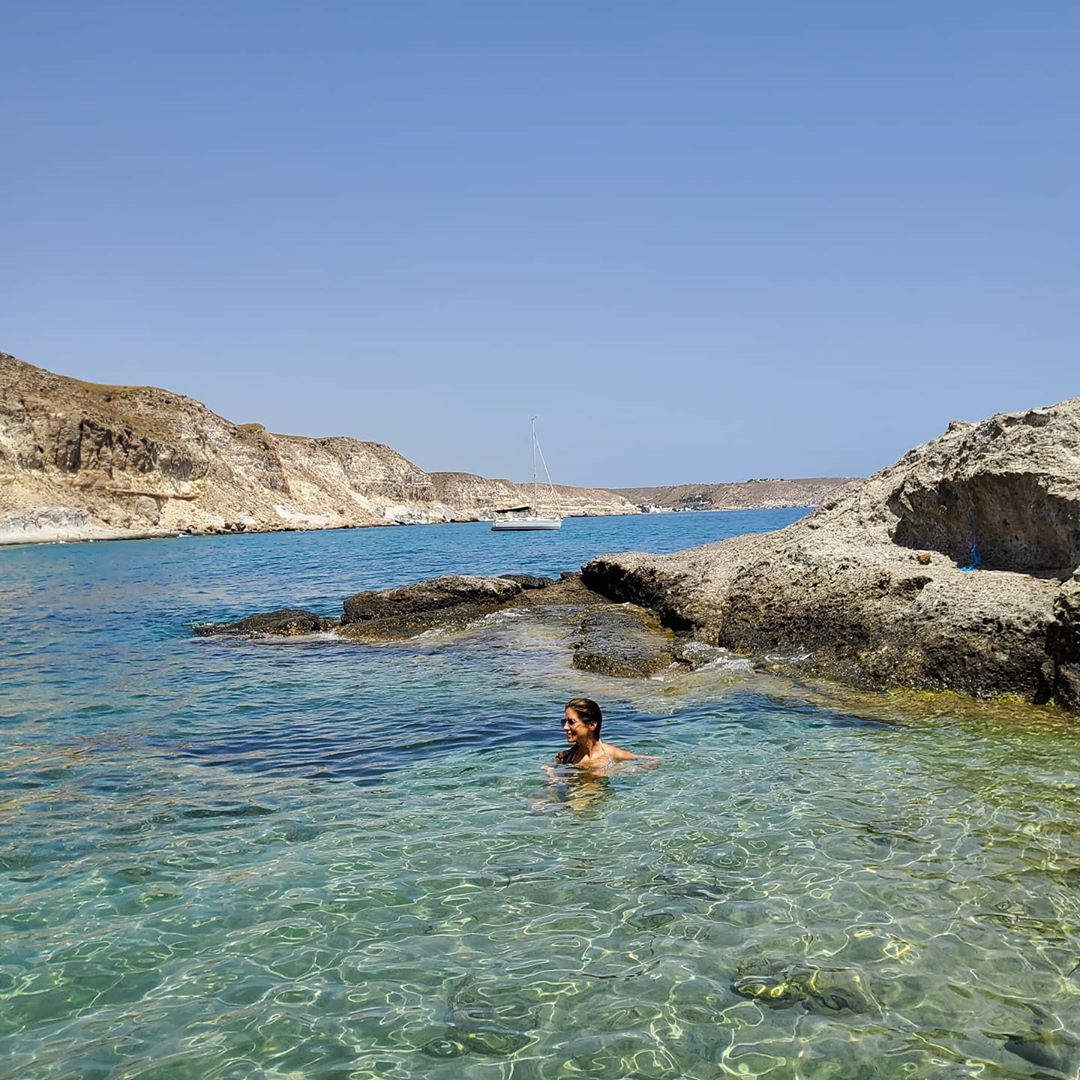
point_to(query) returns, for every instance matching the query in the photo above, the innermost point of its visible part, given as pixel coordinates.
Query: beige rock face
(871, 588)
(482, 497)
(754, 494)
(85, 461)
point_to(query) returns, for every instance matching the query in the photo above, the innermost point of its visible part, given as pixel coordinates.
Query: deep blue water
(244, 859)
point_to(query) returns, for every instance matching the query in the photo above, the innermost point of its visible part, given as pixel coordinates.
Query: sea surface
(248, 859)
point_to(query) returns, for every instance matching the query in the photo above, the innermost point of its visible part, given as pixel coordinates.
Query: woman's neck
(588, 745)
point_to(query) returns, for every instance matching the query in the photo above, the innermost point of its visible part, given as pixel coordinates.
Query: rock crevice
(991, 520)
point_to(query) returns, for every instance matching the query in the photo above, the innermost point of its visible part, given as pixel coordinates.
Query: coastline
(84, 462)
(100, 534)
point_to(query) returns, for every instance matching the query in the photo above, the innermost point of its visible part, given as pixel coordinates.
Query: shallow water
(247, 859)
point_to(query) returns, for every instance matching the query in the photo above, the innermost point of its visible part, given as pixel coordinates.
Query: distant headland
(758, 494)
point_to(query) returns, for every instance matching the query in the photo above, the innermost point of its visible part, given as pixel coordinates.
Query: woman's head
(584, 711)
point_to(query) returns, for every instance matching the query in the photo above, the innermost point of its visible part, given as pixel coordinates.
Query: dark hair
(588, 712)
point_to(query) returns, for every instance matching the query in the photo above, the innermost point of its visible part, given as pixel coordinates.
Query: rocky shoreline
(954, 569)
(83, 461)
(607, 637)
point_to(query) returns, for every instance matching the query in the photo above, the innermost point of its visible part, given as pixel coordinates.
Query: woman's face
(576, 729)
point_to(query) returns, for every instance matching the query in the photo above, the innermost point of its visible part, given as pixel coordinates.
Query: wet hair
(588, 712)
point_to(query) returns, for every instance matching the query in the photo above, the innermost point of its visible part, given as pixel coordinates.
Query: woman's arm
(619, 754)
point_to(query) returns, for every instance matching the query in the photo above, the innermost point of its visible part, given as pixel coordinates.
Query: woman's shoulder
(617, 753)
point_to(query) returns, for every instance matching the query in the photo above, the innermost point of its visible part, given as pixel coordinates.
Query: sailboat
(525, 518)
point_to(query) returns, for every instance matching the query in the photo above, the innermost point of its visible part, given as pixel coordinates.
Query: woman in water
(581, 722)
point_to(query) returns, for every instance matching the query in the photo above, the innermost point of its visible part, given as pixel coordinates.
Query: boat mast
(538, 451)
(532, 424)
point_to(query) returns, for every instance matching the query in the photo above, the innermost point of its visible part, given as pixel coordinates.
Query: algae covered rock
(448, 602)
(431, 595)
(623, 641)
(287, 622)
(528, 581)
(777, 985)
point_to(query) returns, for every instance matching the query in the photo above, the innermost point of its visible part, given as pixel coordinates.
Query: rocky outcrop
(452, 601)
(751, 495)
(80, 460)
(1061, 671)
(607, 638)
(952, 569)
(286, 622)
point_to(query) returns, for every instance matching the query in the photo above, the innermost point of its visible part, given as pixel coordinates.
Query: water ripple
(813, 884)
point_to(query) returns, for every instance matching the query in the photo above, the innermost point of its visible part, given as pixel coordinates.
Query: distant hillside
(752, 495)
(82, 461)
(480, 496)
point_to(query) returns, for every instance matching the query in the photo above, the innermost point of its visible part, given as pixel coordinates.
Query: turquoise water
(308, 859)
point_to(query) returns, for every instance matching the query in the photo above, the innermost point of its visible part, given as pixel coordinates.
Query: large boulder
(952, 569)
(449, 602)
(431, 595)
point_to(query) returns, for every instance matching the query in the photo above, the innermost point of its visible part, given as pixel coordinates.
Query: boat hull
(527, 525)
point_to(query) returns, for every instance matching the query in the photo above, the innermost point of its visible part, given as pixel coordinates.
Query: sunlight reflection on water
(240, 859)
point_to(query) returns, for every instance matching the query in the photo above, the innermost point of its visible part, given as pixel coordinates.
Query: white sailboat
(526, 518)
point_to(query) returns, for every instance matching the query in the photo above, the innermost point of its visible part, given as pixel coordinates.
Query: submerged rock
(1047, 1044)
(816, 989)
(288, 622)
(996, 506)
(623, 641)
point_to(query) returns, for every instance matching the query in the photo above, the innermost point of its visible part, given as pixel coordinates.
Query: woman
(581, 722)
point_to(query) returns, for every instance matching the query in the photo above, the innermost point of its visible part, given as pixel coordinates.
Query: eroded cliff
(81, 460)
(480, 496)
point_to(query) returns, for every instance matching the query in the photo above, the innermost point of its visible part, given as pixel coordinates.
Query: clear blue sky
(700, 240)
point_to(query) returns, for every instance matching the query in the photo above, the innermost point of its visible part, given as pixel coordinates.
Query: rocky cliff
(80, 460)
(481, 497)
(754, 494)
(955, 568)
